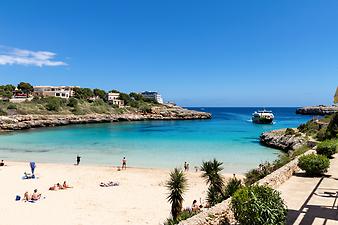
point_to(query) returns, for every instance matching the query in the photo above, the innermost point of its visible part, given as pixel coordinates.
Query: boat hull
(262, 120)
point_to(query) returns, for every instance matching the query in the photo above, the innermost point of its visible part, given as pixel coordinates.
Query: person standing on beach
(124, 163)
(185, 166)
(78, 159)
(33, 166)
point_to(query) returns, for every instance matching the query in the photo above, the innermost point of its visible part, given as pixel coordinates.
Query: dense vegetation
(313, 164)
(85, 101)
(258, 205)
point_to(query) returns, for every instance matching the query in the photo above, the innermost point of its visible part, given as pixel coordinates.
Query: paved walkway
(312, 200)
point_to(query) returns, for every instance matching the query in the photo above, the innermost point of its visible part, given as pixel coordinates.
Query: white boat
(262, 117)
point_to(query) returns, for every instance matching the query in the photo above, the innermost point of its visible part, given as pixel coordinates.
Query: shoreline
(26, 122)
(141, 192)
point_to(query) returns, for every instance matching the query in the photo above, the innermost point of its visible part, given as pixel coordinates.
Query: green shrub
(314, 165)
(11, 106)
(73, 102)
(332, 128)
(232, 185)
(258, 205)
(182, 216)
(327, 148)
(53, 104)
(289, 131)
(256, 174)
(3, 112)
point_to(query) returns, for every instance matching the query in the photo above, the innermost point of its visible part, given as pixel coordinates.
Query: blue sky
(197, 53)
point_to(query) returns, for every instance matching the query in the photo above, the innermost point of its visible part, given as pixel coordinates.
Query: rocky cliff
(20, 122)
(317, 110)
(280, 139)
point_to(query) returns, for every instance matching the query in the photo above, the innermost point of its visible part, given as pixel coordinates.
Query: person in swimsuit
(65, 185)
(2, 163)
(124, 163)
(36, 196)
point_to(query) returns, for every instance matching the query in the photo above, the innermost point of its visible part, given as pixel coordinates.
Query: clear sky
(197, 52)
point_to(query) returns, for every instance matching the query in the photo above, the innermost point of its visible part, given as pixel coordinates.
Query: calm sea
(229, 136)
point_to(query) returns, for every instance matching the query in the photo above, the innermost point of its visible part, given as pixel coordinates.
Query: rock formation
(20, 122)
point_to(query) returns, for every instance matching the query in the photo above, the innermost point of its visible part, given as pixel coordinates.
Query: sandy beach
(139, 199)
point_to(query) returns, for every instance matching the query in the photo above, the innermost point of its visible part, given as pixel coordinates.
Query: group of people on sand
(58, 186)
(34, 197)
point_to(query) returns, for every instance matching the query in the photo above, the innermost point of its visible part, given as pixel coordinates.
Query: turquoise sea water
(229, 136)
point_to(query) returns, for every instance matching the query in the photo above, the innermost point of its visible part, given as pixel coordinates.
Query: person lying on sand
(36, 196)
(59, 186)
(53, 188)
(65, 185)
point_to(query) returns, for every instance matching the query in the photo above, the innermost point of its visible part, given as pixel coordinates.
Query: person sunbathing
(26, 197)
(59, 186)
(65, 185)
(36, 196)
(53, 188)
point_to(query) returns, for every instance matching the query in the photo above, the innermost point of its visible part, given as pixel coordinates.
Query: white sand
(140, 198)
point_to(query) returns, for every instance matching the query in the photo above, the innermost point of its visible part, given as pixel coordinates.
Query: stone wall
(218, 214)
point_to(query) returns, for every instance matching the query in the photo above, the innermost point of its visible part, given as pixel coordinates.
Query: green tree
(26, 88)
(211, 173)
(177, 185)
(83, 93)
(7, 90)
(136, 96)
(53, 103)
(99, 92)
(126, 98)
(332, 128)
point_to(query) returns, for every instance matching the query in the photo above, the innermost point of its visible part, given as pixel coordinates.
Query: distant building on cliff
(336, 97)
(114, 98)
(54, 91)
(153, 95)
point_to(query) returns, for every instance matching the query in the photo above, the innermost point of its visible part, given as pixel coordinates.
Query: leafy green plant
(3, 112)
(231, 186)
(332, 128)
(256, 174)
(182, 216)
(258, 205)
(327, 148)
(53, 104)
(177, 185)
(211, 173)
(313, 164)
(11, 106)
(72, 102)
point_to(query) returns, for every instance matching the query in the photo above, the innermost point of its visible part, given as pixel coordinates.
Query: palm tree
(177, 185)
(211, 173)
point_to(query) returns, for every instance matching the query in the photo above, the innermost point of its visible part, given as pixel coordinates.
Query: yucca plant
(211, 173)
(177, 185)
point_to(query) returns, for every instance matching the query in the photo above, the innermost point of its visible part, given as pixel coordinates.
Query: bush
(258, 205)
(289, 131)
(3, 112)
(73, 102)
(53, 104)
(314, 165)
(11, 106)
(182, 216)
(255, 175)
(327, 148)
(332, 128)
(232, 185)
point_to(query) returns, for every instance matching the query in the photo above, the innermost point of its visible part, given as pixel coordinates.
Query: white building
(114, 98)
(153, 95)
(54, 91)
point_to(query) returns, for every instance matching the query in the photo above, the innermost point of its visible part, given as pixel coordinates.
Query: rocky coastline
(317, 110)
(23, 122)
(281, 139)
